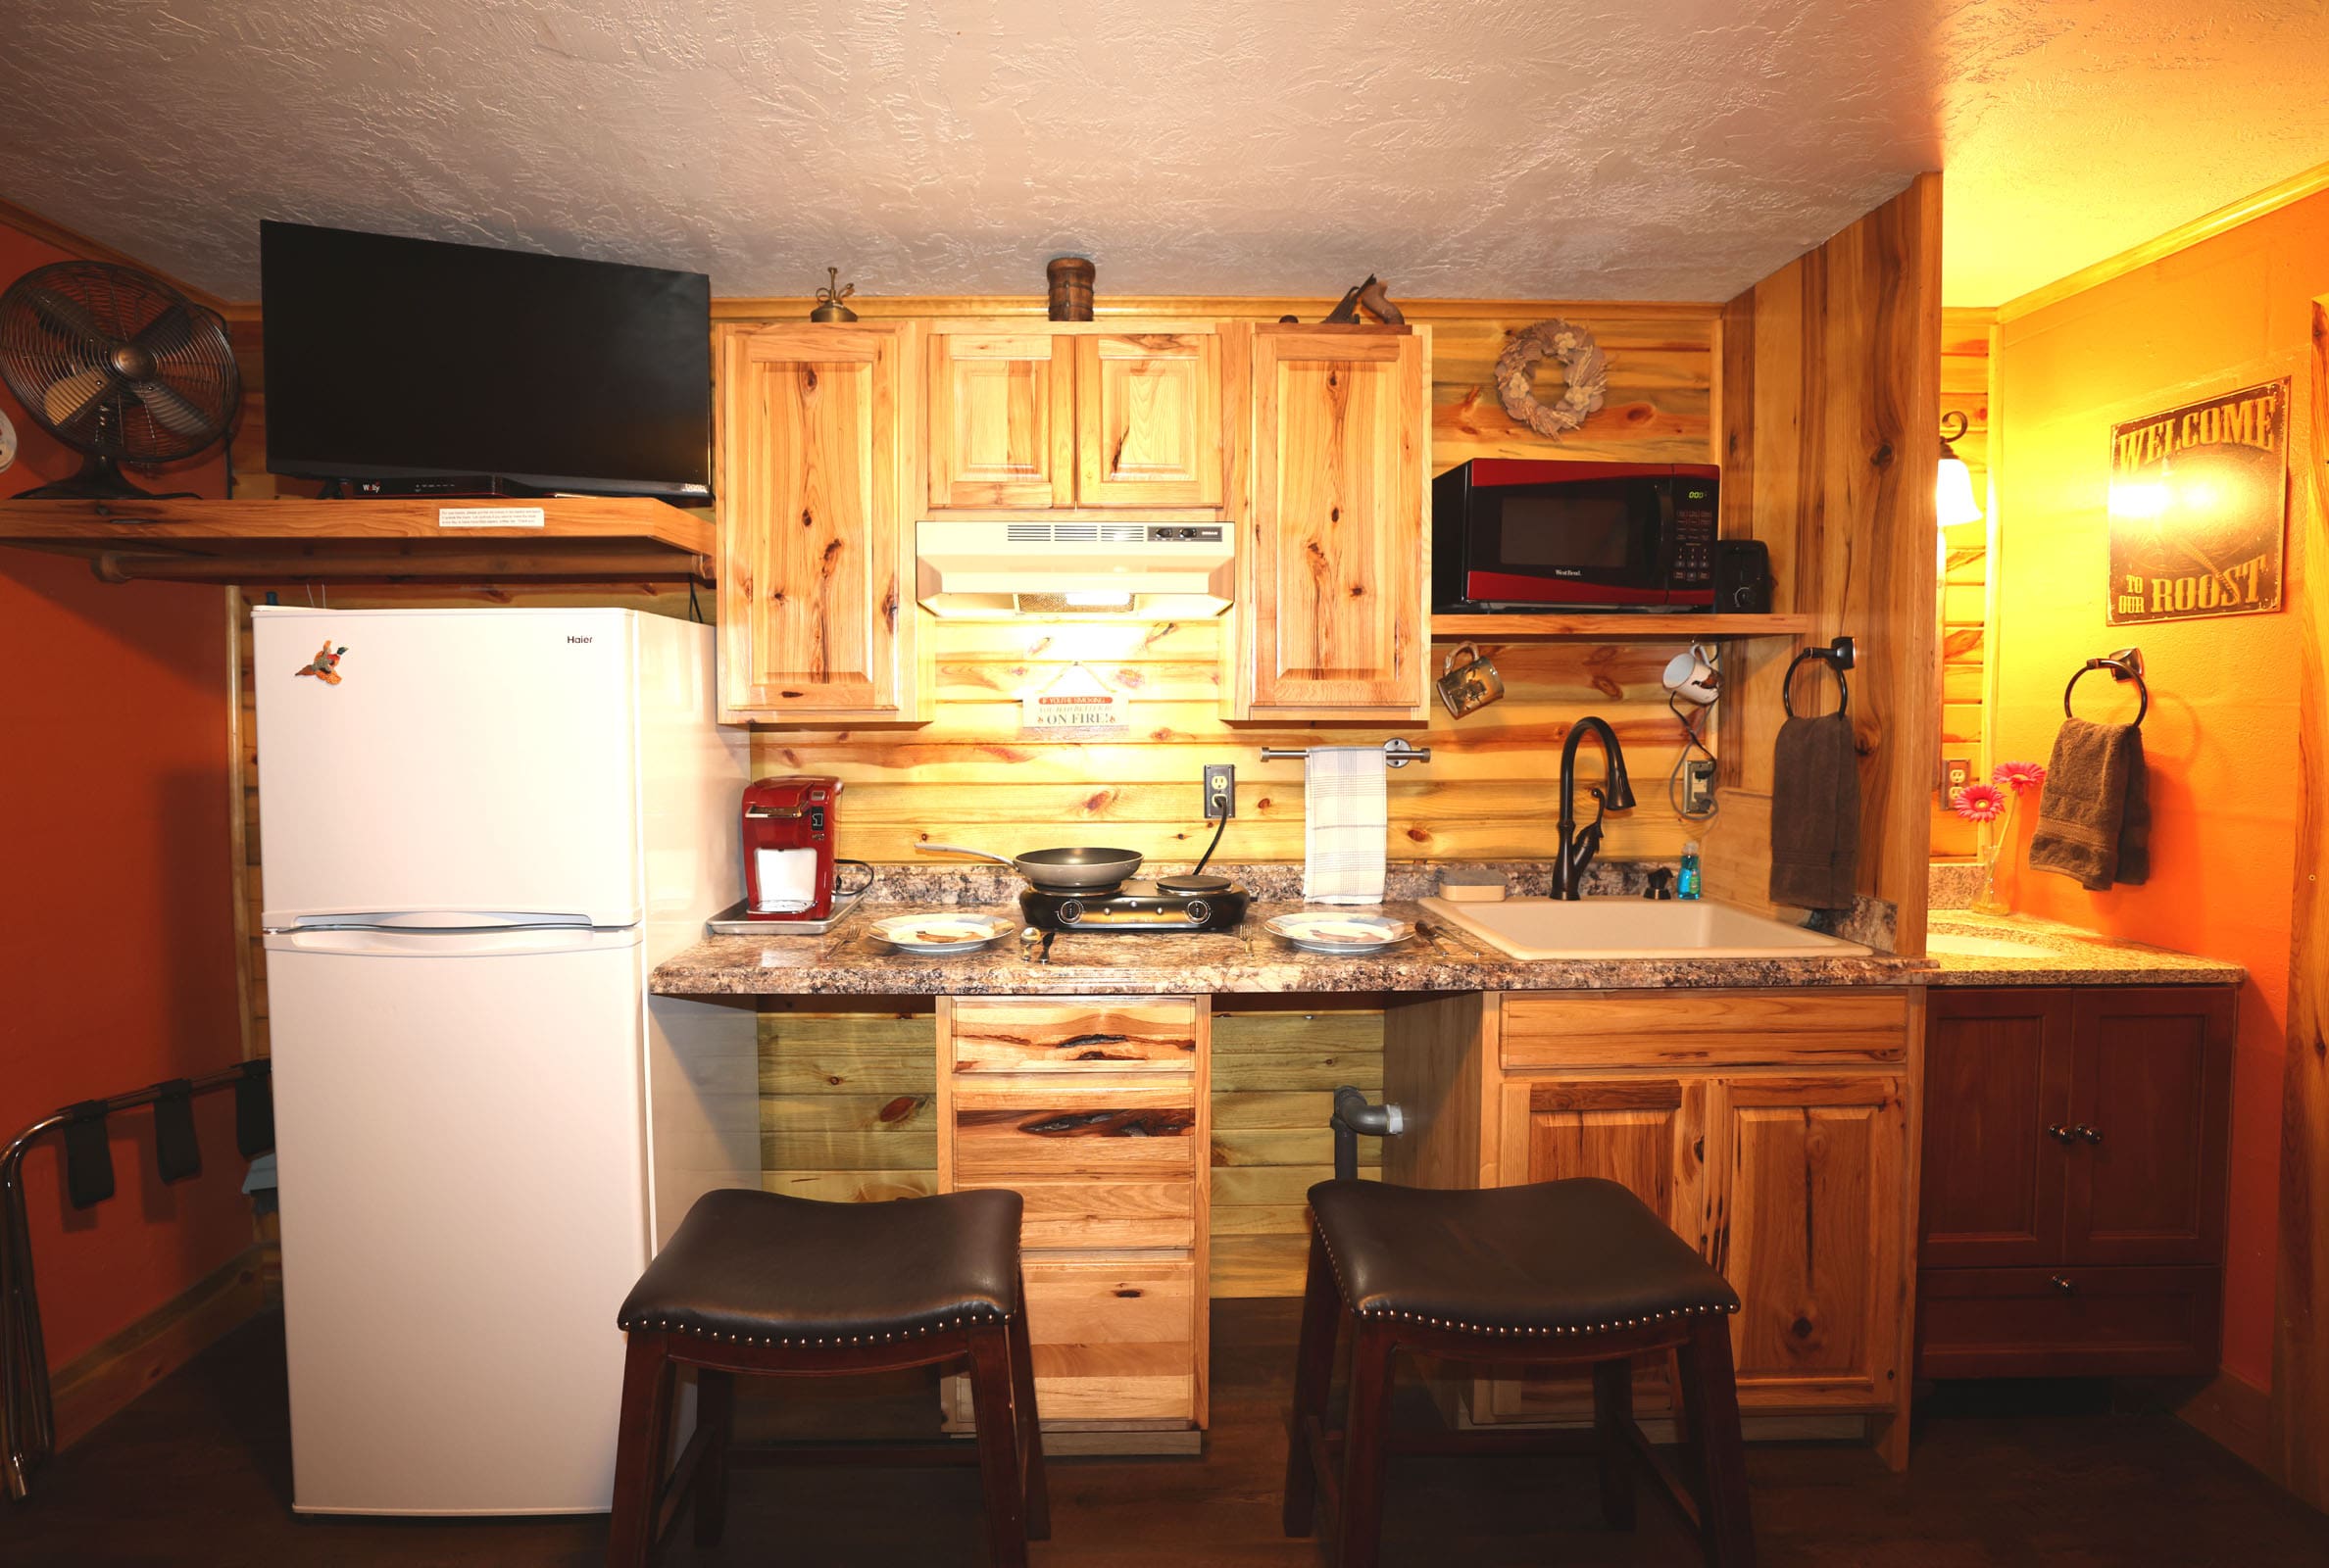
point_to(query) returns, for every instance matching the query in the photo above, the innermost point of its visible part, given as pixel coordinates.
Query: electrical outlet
(1221, 791)
(1698, 786)
(1956, 773)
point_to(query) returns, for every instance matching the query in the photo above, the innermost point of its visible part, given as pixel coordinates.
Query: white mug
(1692, 676)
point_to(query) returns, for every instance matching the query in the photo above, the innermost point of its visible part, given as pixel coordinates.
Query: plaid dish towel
(1345, 824)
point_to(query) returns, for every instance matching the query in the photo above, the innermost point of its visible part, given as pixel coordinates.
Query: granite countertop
(850, 961)
(2029, 952)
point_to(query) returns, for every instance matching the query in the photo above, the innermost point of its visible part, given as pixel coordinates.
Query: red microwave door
(1595, 541)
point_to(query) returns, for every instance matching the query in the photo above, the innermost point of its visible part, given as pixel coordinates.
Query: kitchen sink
(1635, 928)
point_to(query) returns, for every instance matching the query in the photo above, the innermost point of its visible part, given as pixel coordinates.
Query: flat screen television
(408, 359)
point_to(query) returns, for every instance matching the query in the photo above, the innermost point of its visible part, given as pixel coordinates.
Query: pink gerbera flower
(1979, 802)
(2019, 777)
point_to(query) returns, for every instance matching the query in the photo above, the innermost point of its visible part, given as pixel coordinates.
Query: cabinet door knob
(2064, 1283)
(2093, 1135)
(2065, 1136)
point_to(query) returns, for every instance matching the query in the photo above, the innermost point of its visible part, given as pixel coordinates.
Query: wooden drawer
(1120, 1132)
(1072, 1213)
(2111, 1322)
(1674, 1029)
(1115, 1339)
(1024, 1034)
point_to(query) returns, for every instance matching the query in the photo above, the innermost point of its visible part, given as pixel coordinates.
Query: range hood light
(1083, 599)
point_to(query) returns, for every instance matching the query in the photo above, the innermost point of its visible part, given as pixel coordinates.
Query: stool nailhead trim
(1342, 1287)
(667, 1326)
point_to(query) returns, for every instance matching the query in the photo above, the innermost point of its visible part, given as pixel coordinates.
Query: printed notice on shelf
(491, 518)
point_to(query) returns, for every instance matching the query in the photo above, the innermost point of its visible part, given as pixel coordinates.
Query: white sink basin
(1635, 928)
(1950, 945)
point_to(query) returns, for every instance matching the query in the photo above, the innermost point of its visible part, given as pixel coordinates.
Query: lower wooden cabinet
(1095, 1111)
(1771, 1129)
(2073, 1191)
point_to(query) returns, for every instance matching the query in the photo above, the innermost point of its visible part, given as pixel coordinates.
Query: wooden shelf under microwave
(1614, 627)
(579, 539)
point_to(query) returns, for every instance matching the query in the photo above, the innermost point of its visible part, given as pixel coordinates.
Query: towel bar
(1397, 753)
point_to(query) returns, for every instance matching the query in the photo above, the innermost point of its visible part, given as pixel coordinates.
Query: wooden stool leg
(1612, 1415)
(1028, 1421)
(998, 1444)
(1313, 1373)
(642, 1436)
(1710, 1401)
(715, 1417)
(1358, 1542)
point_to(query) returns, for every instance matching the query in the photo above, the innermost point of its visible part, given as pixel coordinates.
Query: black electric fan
(118, 366)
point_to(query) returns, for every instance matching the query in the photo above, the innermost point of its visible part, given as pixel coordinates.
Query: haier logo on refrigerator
(581, 639)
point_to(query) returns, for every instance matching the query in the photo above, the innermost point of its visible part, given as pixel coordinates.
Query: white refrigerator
(479, 830)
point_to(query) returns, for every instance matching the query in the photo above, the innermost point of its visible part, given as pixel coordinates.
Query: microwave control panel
(1694, 537)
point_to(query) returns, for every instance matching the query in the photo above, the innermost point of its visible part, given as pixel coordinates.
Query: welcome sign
(2199, 509)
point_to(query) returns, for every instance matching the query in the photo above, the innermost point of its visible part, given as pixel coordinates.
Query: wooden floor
(198, 1472)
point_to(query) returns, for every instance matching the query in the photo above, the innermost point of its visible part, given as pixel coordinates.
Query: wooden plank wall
(1830, 414)
(969, 776)
(1965, 573)
(848, 1113)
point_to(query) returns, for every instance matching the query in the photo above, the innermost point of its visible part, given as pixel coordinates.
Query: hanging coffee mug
(1468, 686)
(1692, 676)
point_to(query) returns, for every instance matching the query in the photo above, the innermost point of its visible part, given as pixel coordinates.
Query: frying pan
(1057, 868)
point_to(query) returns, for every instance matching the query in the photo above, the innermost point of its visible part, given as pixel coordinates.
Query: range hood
(1111, 570)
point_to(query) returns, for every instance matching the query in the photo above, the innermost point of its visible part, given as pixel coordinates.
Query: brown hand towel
(2094, 815)
(1815, 813)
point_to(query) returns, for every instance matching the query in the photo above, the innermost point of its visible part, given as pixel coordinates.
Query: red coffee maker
(788, 847)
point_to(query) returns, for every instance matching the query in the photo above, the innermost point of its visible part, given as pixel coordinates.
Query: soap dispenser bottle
(1686, 886)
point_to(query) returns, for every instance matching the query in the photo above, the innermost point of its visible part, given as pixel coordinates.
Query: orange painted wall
(2221, 740)
(116, 940)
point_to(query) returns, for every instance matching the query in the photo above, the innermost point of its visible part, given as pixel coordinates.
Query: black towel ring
(1836, 657)
(2124, 665)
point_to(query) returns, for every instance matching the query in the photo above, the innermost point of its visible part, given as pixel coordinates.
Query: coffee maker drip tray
(739, 920)
(1134, 907)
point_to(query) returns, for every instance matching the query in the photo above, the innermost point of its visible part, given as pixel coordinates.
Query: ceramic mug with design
(1469, 682)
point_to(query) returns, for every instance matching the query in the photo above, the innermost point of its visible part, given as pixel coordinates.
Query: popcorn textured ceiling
(1679, 149)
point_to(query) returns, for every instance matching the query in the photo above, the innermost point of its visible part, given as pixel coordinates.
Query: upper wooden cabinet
(1147, 419)
(1036, 419)
(1332, 618)
(1002, 421)
(819, 469)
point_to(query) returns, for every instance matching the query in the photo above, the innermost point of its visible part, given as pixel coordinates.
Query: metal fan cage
(116, 363)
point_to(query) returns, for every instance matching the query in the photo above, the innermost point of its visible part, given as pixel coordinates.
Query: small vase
(1988, 901)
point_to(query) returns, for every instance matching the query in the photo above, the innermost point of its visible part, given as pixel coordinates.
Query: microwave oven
(1525, 533)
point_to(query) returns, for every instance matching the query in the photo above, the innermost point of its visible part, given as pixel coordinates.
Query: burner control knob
(1070, 911)
(1198, 911)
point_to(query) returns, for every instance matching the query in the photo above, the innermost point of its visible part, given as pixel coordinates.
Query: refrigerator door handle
(450, 943)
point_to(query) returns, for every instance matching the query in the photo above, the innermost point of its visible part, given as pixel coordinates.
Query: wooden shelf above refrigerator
(562, 539)
(1614, 627)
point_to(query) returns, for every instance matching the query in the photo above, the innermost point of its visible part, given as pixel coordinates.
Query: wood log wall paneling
(971, 776)
(848, 1113)
(1965, 575)
(1830, 412)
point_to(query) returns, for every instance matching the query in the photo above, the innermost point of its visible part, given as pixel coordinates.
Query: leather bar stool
(771, 1286)
(1568, 1272)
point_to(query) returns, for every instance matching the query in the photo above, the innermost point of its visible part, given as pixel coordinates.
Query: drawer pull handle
(2065, 1136)
(2093, 1135)
(2064, 1283)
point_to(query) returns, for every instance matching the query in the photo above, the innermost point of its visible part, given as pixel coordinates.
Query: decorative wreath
(1579, 356)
